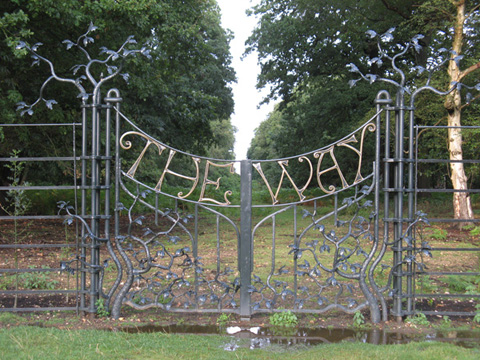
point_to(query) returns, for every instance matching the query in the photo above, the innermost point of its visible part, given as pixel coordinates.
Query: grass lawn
(29, 342)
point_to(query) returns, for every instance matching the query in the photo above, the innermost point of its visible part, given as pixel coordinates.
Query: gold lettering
(371, 127)
(128, 145)
(207, 181)
(346, 143)
(166, 170)
(258, 167)
(282, 164)
(320, 155)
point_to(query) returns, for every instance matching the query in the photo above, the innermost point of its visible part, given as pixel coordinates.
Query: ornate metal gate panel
(167, 259)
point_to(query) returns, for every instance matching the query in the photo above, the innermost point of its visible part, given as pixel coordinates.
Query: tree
(266, 142)
(264, 145)
(454, 24)
(462, 205)
(299, 41)
(223, 139)
(305, 45)
(174, 97)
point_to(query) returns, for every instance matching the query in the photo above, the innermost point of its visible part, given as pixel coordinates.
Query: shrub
(285, 319)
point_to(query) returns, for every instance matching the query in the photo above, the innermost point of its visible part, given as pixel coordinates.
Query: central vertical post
(245, 248)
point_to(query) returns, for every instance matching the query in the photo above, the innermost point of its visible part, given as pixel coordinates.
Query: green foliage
(137, 300)
(18, 203)
(5, 282)
(463, 284)
(418, 319)
(162, 300)
(102, 311)
(264, 144)
(223, 319)
(45, 202)
(328, 29)
(426, 285)
(476, 318)
(37, 280)
(223, 136)
(284, 319)
(18, 200)
(446, 323)
(439, 234)
(475, 231)
(358, 319)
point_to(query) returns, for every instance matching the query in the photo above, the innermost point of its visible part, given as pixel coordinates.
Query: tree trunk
(462, 206)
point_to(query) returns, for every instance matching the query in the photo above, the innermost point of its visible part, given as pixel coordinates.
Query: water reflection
(293, 337)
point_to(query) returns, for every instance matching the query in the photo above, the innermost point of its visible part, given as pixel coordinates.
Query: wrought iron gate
(328, 262)
(201, 249)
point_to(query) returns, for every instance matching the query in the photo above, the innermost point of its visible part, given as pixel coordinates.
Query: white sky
(247, 115)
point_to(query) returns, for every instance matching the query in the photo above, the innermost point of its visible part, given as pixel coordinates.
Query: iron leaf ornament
(84, 70)
(434, 63)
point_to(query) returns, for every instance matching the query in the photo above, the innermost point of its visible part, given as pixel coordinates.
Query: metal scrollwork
(163, 267)
(326, 271)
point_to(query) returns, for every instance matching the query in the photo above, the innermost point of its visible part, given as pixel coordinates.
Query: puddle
(258, 337)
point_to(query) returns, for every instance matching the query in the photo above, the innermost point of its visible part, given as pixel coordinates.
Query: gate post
(383, 99)
(113, 101)
(95, 202)
(399, 170)
(245, 248)
(83, 249)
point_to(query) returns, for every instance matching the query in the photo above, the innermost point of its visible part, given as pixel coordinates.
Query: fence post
(245, 255)
(384, 100)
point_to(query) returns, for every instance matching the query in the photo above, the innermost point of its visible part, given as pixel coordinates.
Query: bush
(285, 319)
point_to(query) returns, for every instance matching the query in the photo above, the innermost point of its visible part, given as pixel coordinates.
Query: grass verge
(48, 343)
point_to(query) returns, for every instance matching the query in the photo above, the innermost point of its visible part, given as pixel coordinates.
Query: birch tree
(462, 205)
